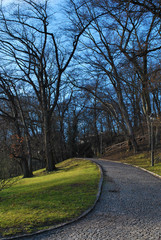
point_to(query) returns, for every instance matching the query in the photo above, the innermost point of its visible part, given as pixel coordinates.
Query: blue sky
(55, 4)
(5, 2)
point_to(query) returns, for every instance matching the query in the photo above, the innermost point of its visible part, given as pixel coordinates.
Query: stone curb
(70, 222)
(143, 169)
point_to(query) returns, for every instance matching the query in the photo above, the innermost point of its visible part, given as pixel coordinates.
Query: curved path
(129, 208)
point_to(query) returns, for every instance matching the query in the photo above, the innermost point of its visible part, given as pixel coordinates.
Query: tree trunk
(50, 162)
(25, 168)
(25, 165)
(125, 116)
(29, 155)
(26, 133)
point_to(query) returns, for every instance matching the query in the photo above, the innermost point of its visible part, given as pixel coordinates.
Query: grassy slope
(48, 199)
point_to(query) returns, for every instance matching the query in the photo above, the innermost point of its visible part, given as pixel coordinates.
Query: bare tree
(32, 49)
(138, 47)
(102, 58)
(11, 109)
(123, 37)
(145, 6)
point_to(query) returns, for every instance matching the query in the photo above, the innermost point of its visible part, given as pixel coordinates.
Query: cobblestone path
(129, 208)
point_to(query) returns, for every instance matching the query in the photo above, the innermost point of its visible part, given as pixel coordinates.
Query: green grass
(48, 198)
(143, 160)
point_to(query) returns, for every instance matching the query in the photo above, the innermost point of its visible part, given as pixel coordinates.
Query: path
(129, 208)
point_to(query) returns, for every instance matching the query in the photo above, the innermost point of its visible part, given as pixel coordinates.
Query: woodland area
(76, 79)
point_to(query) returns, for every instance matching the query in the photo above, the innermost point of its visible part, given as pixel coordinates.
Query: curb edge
(143, 169)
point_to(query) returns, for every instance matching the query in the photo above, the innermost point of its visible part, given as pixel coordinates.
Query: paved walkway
(129, 208)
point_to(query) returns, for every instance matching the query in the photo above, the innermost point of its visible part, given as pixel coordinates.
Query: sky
(55, 4)
(5, 2)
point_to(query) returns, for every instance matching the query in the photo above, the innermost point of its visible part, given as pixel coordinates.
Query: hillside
(119, 151)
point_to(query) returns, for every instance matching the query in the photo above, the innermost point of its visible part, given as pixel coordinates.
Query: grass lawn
(48, 198)
(143, 160)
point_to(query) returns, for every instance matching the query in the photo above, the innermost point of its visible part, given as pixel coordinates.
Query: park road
(129, 208)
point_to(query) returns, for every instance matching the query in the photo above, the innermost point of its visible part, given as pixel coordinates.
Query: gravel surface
(129, 208)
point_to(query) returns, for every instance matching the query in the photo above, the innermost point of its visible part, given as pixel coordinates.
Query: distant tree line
(67, 85)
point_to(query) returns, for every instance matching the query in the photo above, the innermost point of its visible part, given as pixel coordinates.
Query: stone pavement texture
(129, 208)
